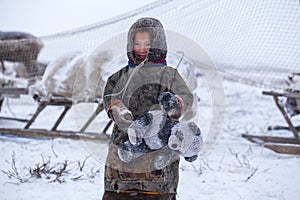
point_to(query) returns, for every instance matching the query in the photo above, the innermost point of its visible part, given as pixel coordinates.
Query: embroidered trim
(158, 63)
(140, 192)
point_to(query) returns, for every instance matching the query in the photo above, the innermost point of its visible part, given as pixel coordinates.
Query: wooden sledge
(285, 145)
(24, 48)
(53, 132)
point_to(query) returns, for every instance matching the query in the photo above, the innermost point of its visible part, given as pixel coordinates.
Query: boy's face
(141, 44)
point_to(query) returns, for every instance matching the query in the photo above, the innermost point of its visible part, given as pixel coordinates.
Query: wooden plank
(47, 134)
(285, 94)
(278, 127)
(55, 101)
(14, 119)
(62, 101)
(13, 90)
(270, 139)
(284, 149)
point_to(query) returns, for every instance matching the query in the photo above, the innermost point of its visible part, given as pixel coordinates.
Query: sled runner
(53, 132)
(285, 145)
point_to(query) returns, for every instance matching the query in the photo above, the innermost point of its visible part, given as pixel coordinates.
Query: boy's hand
(121, 116)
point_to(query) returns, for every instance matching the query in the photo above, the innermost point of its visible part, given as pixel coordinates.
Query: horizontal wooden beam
(285, 94)
(284, 149)
(9, 90)
(48, 134)
(270, 139)
(14, 119)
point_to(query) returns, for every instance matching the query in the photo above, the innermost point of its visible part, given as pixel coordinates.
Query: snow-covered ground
(234, 169)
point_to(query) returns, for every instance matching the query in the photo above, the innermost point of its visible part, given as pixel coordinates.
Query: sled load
(67, 80)
(21, 49)
(289, 109)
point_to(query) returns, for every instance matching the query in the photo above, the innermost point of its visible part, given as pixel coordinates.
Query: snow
(234, 169)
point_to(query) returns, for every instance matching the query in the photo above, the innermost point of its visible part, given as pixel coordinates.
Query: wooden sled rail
(284, 149)
(48, 134)
(283, 145)
(12, 92)
(270, 139)
(14, 119)
(53, 132)
(285, 94)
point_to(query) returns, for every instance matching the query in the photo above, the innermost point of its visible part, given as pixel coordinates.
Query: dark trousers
(108, 195)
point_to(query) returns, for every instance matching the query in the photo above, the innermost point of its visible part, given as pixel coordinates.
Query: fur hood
(158, 46)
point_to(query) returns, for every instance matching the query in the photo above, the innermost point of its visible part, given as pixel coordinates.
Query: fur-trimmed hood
(158, 45)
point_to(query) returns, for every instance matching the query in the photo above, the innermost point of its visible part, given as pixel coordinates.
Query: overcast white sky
(43, 17)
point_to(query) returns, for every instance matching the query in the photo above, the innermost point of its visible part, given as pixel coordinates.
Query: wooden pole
(58, 121)
(287, 119)
(271, 139)
(48, 134)
(37, 112)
